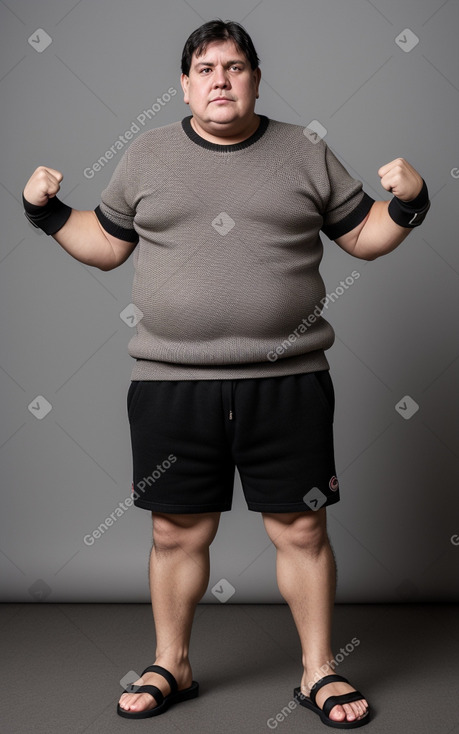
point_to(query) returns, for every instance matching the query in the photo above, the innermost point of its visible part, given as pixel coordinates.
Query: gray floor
(62, 663)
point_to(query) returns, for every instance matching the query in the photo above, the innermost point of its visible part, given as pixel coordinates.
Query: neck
(227, 137)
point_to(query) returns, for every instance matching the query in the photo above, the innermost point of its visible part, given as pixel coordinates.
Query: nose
(221, 80)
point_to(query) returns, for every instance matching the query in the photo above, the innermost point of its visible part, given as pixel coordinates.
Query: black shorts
(188, 436)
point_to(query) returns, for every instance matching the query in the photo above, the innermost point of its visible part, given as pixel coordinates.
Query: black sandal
(310, 703)
(163, 702)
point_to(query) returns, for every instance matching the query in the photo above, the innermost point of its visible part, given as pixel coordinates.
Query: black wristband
(410, 213)
(50, 217)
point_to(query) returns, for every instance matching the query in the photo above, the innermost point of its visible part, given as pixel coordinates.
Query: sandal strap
(165, 673)
(339, 700)
(324, 682)
(152, 690)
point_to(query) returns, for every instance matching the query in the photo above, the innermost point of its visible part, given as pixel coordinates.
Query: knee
(190, 533)
(305, 531)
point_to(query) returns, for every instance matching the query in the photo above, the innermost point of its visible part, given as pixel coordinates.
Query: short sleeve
(348, 204)
(115, 213)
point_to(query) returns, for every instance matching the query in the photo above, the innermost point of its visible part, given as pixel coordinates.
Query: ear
(257, 77)
(185, 82)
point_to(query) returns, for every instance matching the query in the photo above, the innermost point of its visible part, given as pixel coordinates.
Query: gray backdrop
(381, 78)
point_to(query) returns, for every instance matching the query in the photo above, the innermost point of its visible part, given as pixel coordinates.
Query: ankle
(313, 673)
(172, 660)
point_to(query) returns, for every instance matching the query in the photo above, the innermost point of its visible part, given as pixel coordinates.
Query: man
(223, 212)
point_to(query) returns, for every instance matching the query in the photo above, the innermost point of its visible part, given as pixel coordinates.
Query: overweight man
(223, 212)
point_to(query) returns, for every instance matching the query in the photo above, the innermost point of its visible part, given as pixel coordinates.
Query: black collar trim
(193, 135)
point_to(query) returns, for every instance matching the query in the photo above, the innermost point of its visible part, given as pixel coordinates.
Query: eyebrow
(233, 61)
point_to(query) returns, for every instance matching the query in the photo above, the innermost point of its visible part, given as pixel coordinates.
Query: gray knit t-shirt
(227, 261)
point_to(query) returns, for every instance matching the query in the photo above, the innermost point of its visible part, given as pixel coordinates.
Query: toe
(123, 702)
(351, 715)
(349, 711)
(363, 707)
(359, 708)
(337, 713)
(143, 702)
(137, 702)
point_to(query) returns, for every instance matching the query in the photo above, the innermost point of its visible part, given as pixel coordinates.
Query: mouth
(221, 99)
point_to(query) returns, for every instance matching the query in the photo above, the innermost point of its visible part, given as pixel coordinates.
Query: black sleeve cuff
(49, 217)
(351, 220)
(421, 200)
(129, 235)
(410, 213)
(33, 208)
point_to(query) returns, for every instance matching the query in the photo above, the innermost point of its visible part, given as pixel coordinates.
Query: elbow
(366, 254)
(105, 267)
(108, 262)
(370, 256)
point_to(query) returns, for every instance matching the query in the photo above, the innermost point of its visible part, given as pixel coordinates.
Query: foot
(347, 712)
(136, 702)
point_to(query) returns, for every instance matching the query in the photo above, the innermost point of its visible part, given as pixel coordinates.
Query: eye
(207, 68)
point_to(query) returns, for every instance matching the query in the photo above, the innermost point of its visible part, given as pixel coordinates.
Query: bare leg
(179, 576)
(306, 575)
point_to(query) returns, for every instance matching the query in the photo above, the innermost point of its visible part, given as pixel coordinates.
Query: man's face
(221, 72)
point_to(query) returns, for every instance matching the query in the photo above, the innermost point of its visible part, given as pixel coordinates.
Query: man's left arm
(389, 222)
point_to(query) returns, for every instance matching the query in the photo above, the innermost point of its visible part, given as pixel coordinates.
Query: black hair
(216, 30)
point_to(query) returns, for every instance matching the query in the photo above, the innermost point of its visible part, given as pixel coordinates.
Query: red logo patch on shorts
(333, 483)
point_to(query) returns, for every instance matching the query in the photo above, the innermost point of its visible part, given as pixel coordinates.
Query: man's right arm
(82, 235)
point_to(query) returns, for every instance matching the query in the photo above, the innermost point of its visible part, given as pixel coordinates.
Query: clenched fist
(43, 184)
(400, 179)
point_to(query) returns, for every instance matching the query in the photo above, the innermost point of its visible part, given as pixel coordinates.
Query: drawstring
(231, 401)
